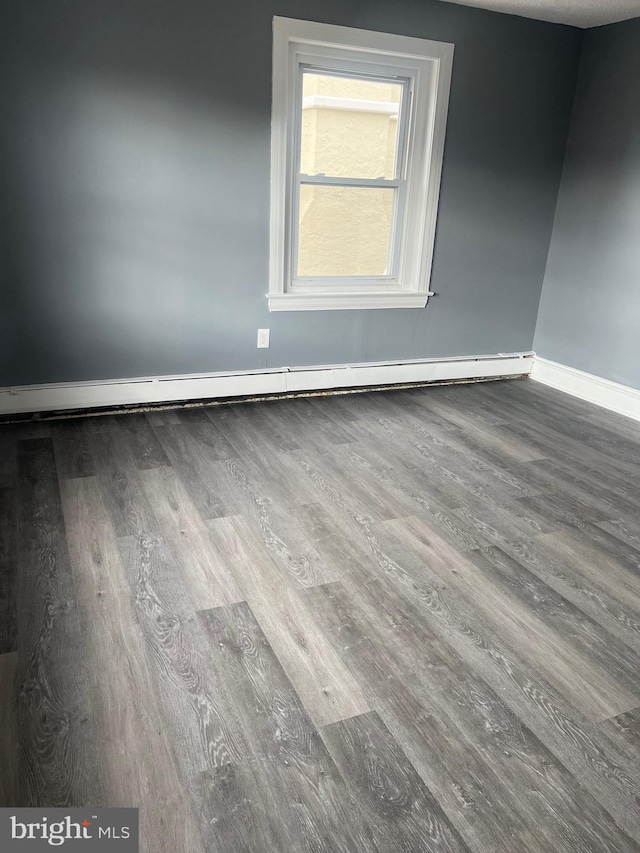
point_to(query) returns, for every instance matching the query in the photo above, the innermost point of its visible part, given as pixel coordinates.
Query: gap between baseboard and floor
(594, 389)
(156, 391)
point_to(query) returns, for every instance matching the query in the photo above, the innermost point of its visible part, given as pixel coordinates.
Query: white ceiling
(578, 13)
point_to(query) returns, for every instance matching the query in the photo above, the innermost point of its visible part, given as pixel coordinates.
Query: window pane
(349, 126)
(344, 231)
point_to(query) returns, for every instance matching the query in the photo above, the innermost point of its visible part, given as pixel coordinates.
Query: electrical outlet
(263, 338)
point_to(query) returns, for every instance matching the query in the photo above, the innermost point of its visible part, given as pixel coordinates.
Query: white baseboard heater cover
(152, 390)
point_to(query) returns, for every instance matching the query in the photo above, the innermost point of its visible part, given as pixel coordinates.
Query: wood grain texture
(195, 452)
(10, 435)
(8, 569)
(400, 810)
(624, 531)
(195, 706)
(570, 623)
(327, 689)
(602, 767)
(628, 726)
(71, 448)
(573, 673)
(162, 417)
(275, 525)
(553, 559)
(287, 787)
(125, 705)
(500, 786)
(8, 730)
(143, 442)
(395, 621)
(207, 579)
(116, 472)
(57, 763)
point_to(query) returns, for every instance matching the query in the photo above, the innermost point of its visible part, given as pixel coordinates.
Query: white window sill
(342, 301)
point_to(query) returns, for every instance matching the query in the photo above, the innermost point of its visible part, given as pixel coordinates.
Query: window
(358, 128)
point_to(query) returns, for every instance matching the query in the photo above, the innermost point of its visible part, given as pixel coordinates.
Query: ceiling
(578, 13)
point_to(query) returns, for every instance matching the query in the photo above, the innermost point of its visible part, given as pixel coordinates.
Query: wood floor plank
(401, 811)
(594, 485)
(126, 708)
(628, 727)
(57, 765)
(10, 435)
(262, 466)
(8, 605)
(408, 475)
(163, 417)
(484, 810)
(266, 421)
(538, 705)
(288, 772)
(71, 448)
(197, 458)
(395, 492)
(411, 490)
(606, 543)
(8, 569)
(275, 524)
(487, 442)
(9, 730)
(559, 570)
(196, 437)
(327, 689)
(622, 530)
(472, 397)
(117, 476)
(143, 442)
(449, 471)
(497, 782)
(96, 567)
(576, 676)
(476, 449)
(553, 400)
(207, 579)
(195, 706)
(253, 431)
(556, 560)
(274, 720)
(8, 457)
(559, 509)
(571, 623)
(343, 475)
(560, 447)
(173, 510)
(313, 428)
(492, 524)
(591, 433)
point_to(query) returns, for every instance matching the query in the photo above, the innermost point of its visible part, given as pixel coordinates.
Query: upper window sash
(404, 123)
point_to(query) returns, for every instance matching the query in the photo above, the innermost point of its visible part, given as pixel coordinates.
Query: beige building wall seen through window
(349, 129)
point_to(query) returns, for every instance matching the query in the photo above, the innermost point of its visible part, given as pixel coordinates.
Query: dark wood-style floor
(402, 621)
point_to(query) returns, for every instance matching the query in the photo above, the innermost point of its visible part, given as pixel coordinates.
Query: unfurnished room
(320, 426)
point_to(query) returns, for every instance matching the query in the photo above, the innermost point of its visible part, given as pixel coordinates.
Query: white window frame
(425, 69)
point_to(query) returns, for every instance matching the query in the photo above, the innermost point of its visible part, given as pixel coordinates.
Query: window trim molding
(431, 59)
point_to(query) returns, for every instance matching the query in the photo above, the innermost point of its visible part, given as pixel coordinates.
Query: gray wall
(590, 308)
(136, 188)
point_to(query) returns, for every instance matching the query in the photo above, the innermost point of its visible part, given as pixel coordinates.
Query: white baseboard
(610, 395)
(170, 389)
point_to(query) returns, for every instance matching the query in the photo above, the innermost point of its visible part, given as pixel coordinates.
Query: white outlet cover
(263, 338)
